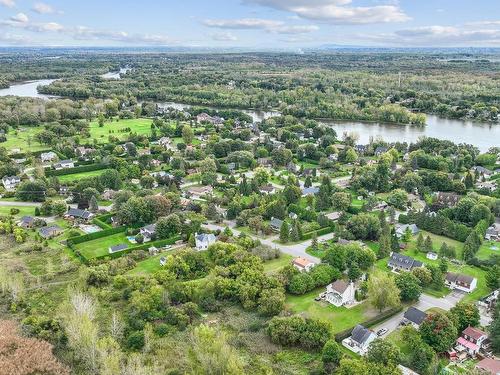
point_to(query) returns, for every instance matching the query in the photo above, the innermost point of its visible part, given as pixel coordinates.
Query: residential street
(426, 302)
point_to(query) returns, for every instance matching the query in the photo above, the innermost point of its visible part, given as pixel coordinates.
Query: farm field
(78, 176)
(18, 138)
(100, 246)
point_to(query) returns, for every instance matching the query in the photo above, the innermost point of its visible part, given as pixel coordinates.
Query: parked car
(318, 298)
(382, 331)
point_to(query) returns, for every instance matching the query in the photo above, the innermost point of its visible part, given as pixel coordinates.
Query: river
(482, 135)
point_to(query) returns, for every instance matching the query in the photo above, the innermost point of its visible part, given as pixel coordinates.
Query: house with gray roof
(360, 339)
(414, 316)
(204, 240)
(50, 231)
(276, 224)
(77, 213)
(313, 190)
(148, 232)
(399, 262)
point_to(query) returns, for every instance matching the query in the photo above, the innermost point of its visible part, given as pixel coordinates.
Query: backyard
(100, 246)
(78, 176)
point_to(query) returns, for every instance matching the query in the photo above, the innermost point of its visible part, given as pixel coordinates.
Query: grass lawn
(79, 176)
(98, 247)
(114, 128)
(487, 249)
(23, 210)
(250, 232)
(308, 165)
(19, 139)
(340, 317)
(178, 140)
(149, 265)
(274, 265)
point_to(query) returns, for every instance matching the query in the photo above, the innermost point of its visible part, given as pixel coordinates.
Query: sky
(266, 24)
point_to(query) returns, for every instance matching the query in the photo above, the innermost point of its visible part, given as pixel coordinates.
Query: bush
(79, 169)
(299, 331)
(135, 340)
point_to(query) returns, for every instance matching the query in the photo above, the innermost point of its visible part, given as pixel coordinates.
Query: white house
(340, 293)
(64, 164)
(461, 282)
(471, 341)
(360, 339)
(401, 229)
(203, 240)
(48, 156)
(302, 264)
(431, 255)
(148, 232)
(11, 182)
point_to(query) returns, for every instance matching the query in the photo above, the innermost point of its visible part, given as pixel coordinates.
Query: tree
(31, 191)
(350, 155)
(409, 286)
(208, 171)
(187, 134)
(423, 275)
(271, 301)
(256, 223)
(464, 314)
(407, 236)
(438, 331)
(385, 243)
(93, 205)
(398, 198)
(364, 227)
(284, 232)
(494, 330)
(428, 247)
(167, 227)
(341, 201)
(382, 291)
(331, 355)
(298, 331)
(420, 242)
(383, 352)
(469, 181)
(301, 283)
(493, 277)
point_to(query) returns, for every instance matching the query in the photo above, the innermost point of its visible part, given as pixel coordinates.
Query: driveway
(425, 302)
(295, 250)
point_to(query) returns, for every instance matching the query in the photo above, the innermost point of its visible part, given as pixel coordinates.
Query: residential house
(360, 339)
(84, 153)
(487, 185)
(48, 157)
(313, 190)
(64, 164)
(493, 233)
(275, 224)
(302, 264)
(489, 366)
(471, 341)
(199, 191)
(204, 240)
(50, 231)
(414, 316)
(292, 167)
(267, 189)
(340, 293)
(399, 262)
(311, 172)
(380, 150)
(231, 167)
(26, 222)
(334, 216)
(447, 199)
(109, 194)
(482, 171)
(431, 255)
(76, 213)
(264, 162)
(464, 283)
(163, 261)
(361, 149)
(117, 248)
(11, 182)
(380, 206)
(148, 232)
(204, 117)
(401, 229)
(164, 142)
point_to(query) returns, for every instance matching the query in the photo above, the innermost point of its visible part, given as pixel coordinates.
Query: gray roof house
(26, 222)
(401, 229)
(77, 213)
(49, 232)
(148, 232)
(117, 248)
(313, 190)
(276, 224)
(204, 240)
(360, 339)
(399, 262)
(414, 316)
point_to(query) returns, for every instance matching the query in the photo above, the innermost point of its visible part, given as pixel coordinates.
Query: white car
(382, 331)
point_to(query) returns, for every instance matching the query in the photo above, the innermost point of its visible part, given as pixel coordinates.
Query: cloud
(224, 37)
(43, 8)
(13, 39)
(271, 26)
(337, 11)
(20, 17)
(86, 33)
(483, 23)
(8, 3)
(438, 35)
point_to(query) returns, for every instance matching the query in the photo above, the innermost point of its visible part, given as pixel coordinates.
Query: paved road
(425, 303)
(296, 250)
(38, 204)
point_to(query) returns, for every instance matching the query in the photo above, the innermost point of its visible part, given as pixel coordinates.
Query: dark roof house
(400, 262)
(414, 316)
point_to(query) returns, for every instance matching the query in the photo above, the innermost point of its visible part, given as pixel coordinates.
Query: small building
(334, 216)
(276, 224)
(493, 233)
(414, 316)
(482, 171)
(446, 199)
(264, 162)
(340, 293)
(360, 339)
(163, 261)
(267, 189)
(489, 365)
(399, 262)
(486, 185)
(26, 222)
(313, 190)
(77, 213)
(380, 150)
(117, 248)
(199, 191)
(148, 232)
(464, 283)
(10, 182)
(50, 231)
(302, 264)
(361, 149)
(84, 153)
(204, 240)
(431, 255)
(380, 206)
(48, 157)
(64, 164)
(164, 142)
(401, 229)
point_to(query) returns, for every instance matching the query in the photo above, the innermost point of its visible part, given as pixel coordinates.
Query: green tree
(493, 277)
(167, 227)
(331, 355)
(438, 331)
(284, 232)
(428, 247)
(420, 242)
(382, 291)
(464, 314)
(271, 302)
(409, 286)
(383, 352)
(187, 134)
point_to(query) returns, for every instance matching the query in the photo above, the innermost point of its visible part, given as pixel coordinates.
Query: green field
(487, 249)
(78, 176)
(139, 126)
(23, 210)
(19, 139)
(100, 246)
(274, 265)
(340, 317)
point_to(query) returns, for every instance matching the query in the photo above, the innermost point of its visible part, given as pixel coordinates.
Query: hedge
(96, 235)
(369, 323)
(319, 232)
(101, 224)
(144, 246)
(79, 169)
